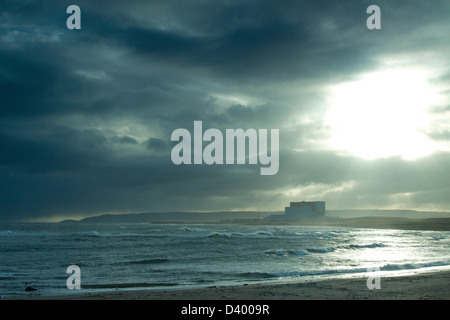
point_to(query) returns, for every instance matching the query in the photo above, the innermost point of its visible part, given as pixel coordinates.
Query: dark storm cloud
(53, 149)
(124, 139)
(86, 115)
(275, 49)
(157, 144)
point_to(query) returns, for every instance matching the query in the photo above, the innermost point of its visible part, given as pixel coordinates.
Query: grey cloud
(78, 108)
(442, 135)
(124, 140)
(157, 145)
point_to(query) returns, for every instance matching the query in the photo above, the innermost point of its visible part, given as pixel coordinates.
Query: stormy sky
(86, 115)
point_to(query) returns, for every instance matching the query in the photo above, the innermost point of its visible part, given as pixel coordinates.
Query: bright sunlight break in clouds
(382, 114)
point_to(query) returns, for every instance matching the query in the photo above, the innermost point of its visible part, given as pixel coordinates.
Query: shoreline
(433, 285)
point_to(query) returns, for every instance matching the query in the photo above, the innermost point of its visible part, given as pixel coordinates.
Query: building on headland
(304, 210)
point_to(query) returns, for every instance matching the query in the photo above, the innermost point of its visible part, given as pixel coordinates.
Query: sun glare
(382, 114)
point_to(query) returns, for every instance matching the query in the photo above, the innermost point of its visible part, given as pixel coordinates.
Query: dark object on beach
(30, 289)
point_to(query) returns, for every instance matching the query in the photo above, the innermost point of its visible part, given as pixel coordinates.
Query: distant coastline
(378, 219)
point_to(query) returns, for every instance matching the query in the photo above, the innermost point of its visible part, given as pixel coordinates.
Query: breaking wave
(287, 252)
(363, 246)
(320, 250)
(260, 234)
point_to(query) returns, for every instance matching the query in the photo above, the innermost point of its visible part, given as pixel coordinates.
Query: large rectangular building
(301, 211)
(305, 210)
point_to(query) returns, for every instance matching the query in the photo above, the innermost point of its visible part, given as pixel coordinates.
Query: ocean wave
(292, 234)
(286, 252)
(339, 232)
(260, 234)
(190, 232)
(188, 229)
(6, 276)
(316, 272)
(411, 266)
(320, 250)
(298, 252)
(109, 234)
(275, 251)
(10, 233)
(202, 233)
(363, 246)
(62, 234)
(148, 261)
(90, 234)
(331, 272)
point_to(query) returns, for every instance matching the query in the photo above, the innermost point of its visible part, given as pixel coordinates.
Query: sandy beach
(423, 286)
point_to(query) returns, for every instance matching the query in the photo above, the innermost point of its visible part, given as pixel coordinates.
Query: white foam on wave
(412, 266)
(287, 252)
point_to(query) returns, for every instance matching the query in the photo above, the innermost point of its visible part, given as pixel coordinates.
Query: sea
(146, 256)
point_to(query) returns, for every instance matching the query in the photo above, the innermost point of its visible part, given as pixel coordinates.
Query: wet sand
(422, 286)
